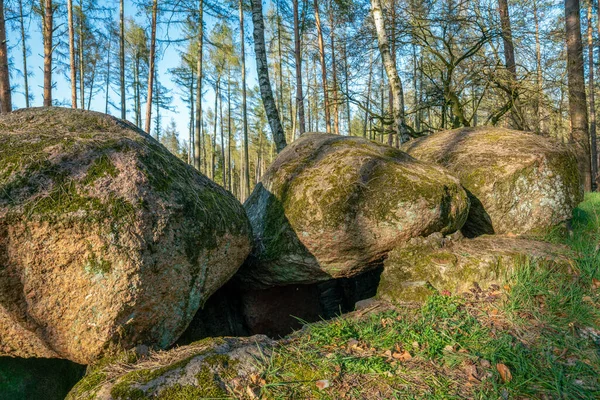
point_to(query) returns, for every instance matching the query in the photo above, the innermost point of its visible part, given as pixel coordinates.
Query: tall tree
(5, 100)
(323, 67)
(576, 83)
(122, 58)
(511, 66)
(593, 150)
(72, 54)
(24, 52)
(198, 140)
(298, 57)
(48, 33)
(262, 68)
(246, 161)
(152, 59)
(389, 63)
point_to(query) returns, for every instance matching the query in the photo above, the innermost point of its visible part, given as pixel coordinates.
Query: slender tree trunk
(366, 121)
(334, 86)
(262, 68)
(122, 59)
(347, 84)
(107, 72)
(594, 148)
(511, 66)
(323, 68)
(539, 78)
(214, 138)
(416, 91)
(223, 161)
(48, 50)
(245, 188)
(279, 89)
(24, 50)
(198, 141)
(298, 56)
(191, 138)
(151, 60)
(81, 68)
(391, 71)
(5, 98)
(577, 99)
(136, 84)
(92, 83)
(229, 131)
(72, 55)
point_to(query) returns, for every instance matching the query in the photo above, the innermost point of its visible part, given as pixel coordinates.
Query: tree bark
(197, 139)
(334, 86)
(262, 68)
(81, 72)
(5, 98)
(72, 55)
(577, 99)
(151, 60)
(48, 50)
(594, 148)
(24, 50)
(122, 59)
(511, 66)
(298, 57)
(539, 78)
(245, 190)
(390, 69)
(323, 68)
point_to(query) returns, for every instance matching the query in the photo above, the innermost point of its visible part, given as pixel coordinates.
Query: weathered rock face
(425, 266)
(333, 206)
(212, 368)
(106, 239)
(518, 182)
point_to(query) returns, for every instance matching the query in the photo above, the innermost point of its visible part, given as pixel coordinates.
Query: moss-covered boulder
(333, 206)
(219, 368)
(518, 182)
(436, 264)
(106, 239)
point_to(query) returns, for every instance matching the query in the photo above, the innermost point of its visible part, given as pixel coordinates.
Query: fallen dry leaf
(323, 384)
(504, 372)
(596, 283)
(404, 356)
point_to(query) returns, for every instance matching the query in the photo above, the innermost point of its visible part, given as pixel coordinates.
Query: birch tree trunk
(245, 190)
(262, 68)
(577, 99)
(298, 57)
(5, 99)
(72, 54)
(390, 69)
(323, 68)
(48, 31)
(151, 60)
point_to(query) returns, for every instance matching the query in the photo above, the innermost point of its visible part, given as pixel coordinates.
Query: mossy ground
(543, 328)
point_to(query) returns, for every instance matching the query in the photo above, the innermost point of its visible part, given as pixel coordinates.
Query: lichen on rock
(333, 206)
(107, 240)
(518, 182)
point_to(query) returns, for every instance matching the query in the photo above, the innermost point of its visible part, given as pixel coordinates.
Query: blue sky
(61, 94)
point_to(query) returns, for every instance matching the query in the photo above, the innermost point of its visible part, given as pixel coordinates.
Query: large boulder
(333, 206)
(518, 182)
(436, 264)
(106, 239)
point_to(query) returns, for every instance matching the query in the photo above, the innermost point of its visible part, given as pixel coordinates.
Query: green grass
(538, 326)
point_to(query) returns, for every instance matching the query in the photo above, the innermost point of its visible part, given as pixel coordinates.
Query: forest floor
(537, 337)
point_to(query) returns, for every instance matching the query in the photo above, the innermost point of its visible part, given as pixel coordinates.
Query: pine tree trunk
(72, 54)
(323, 68)
(24, 51)
(245, 187)
(81, 71)
(198, 140)
(511, 66)
(262, 68)
(366, 121)
(334, 86)
(539, 79)
(577, 98)
(5, 98)
(298, 56)
(122, 59)
(390, 69)
(151, 60)
(594, 148)
(48, 32)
